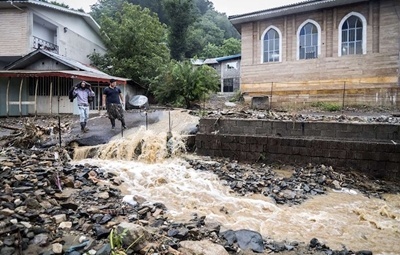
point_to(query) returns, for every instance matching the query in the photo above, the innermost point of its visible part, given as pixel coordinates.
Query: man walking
(113, 100)
(82, 92)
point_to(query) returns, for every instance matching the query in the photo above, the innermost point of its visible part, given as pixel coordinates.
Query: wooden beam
(51, 98)
(7, 97)
(20, 96)
(36, 89)
(21, 102)
(99, 96)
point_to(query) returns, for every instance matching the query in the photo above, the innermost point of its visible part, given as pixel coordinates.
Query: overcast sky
(230, 7)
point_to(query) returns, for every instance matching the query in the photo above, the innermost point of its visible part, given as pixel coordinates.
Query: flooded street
(336, 219)
(161, 174)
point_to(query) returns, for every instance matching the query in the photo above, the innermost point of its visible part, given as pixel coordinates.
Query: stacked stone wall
(373, 149)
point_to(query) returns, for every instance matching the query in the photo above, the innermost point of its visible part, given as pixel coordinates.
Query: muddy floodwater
(337, 219)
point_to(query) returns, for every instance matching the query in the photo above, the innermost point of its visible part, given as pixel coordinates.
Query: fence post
(270, 99)
(344, 94)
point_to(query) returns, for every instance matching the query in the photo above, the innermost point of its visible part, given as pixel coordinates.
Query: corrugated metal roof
(23, 3)
(209, 61)
(79, 70)
(303, 6)
(38, 54)
(73, 74)
(228, 57)
(197, 62)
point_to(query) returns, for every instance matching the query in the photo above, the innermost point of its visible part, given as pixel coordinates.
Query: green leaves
(181, 83)
(136, 43)
(180, 15)
(230, 46)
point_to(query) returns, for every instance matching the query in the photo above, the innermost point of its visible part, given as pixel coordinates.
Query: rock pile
(28, 132)
(303, 183)
(48, 206)
(304, 117)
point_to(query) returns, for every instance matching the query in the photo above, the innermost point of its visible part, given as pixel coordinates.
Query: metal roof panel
(303, 6)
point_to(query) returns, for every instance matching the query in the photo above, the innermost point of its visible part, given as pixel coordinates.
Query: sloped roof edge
(304, 6)
(83, 75)
(27, 59)
(89, 19)
(228, 57)
(33, 57)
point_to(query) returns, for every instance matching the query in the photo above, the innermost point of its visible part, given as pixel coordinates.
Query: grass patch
(330, 107)
(237, 97)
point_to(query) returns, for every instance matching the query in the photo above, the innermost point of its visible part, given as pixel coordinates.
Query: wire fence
(341, 94)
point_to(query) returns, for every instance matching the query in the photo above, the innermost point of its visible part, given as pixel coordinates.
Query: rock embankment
(302, 183)
(49, 206)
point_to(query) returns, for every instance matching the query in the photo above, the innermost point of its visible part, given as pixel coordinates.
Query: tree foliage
(203, 32)
(182, 84)
(106, 8)
(230, 46)
(180, 16)
(155, 6)
(192, 24)
(136, 44)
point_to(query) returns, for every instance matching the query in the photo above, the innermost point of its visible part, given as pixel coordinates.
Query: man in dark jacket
(82, 93)
(113, 100)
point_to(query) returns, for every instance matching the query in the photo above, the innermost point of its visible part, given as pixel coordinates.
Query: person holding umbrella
(113, 101)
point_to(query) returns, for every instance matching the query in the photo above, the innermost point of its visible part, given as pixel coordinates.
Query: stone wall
(371, 78)
(373, 149)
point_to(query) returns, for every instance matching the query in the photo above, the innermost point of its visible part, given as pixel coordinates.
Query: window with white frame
(352, 36)
(271, 50)
(308, 41)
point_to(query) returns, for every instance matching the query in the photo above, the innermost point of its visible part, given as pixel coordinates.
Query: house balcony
(43, 44)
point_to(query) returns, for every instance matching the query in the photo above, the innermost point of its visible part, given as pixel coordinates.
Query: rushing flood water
(336, 219)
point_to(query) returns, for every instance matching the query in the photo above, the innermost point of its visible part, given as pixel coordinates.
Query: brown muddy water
(337, 219)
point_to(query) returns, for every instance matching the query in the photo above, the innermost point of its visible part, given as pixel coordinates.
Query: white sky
(230, 7)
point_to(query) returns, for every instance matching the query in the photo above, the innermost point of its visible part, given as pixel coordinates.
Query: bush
(182, 84)
(326, 106)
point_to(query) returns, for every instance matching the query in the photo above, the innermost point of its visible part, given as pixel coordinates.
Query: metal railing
(39, 43)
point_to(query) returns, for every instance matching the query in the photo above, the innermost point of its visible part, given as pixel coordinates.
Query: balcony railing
(43, 44)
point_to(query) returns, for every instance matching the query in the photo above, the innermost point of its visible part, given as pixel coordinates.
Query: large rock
(136, 233)
(246, 239)
(203, 247)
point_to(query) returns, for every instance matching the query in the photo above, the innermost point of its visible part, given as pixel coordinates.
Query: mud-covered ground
(34, 225)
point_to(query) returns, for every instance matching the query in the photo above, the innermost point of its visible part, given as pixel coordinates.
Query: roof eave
(237, 20)
(82, 75)
(88, 19)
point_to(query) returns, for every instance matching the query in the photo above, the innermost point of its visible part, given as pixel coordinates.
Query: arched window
(308, 41)
(271, 45)
(352, 35)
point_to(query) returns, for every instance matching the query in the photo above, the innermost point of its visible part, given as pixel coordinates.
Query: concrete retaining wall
(373, 149)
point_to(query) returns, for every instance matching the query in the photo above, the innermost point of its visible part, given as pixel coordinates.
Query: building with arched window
(342, 51)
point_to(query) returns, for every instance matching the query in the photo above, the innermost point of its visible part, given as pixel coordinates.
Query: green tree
(180, 16)
(193, 24)
(230, 46)
(136, 45)
(203, 6)
(156, 6)
(106, 8)
(182, 84)
(211, 51)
